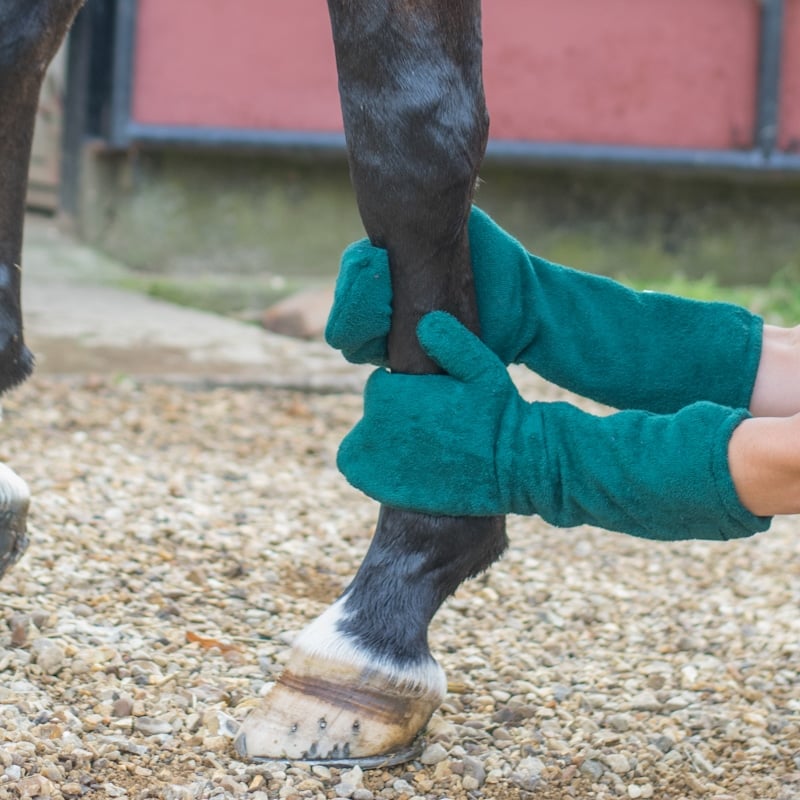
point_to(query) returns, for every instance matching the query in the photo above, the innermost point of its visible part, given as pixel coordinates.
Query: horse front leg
(361, 681)
(30, 34)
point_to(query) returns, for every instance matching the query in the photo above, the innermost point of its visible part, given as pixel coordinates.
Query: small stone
(645, 701)
(52, 772)
(354, 776)
(433, 754)
(619, 722)
(618, 763)
(664, 743)
(302, 315)
(363, 794)
(469, 783)
(49, 655)
(443, 770)
(122, 707)
(231, 785)
(531, 766)
(474, 768)
(257, 782)
(676, 703)
(138, 709)
(35, 786)
(216, 744)
(19, 625)
(592, 769)
(71, 789)
(150, 726)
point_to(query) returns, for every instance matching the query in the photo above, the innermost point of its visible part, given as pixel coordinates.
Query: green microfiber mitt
(587, 333)
(467, 443)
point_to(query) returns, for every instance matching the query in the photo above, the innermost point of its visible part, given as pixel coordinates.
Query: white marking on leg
(14, 492)
(323, 639)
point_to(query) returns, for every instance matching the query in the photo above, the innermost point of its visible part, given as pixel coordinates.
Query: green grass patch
(242, 297)
(778, 301)
(245, 296)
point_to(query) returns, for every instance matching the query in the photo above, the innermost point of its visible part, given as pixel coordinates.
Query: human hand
(504, 284)
(439, 443)
(466, 443)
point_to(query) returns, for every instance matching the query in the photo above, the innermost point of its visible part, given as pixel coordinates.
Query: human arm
(467, 443)
(585, 332)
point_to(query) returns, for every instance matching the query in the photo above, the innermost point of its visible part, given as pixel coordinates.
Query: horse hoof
(336, 720)
(342, 710)
(14, 501)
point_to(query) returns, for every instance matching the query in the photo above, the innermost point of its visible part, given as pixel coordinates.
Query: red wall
(672, 73)
(789, 133)
(239, 63)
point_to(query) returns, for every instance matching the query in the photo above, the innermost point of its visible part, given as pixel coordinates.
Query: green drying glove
(466, 443)
(584, 332)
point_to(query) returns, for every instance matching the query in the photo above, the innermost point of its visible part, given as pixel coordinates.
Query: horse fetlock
(16, 361)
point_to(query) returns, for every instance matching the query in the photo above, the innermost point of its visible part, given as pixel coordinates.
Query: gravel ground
(182, 535)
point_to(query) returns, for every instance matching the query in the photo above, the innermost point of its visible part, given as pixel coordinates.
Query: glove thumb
(360, 317)
(458, 351)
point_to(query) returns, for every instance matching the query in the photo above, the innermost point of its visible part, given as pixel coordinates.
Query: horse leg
(361, 681)
(30, 34)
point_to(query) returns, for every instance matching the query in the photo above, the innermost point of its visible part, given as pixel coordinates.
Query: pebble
(618, 763)
(35, 786)
(473, 768)
(433, 754)
(619, 722)
(150, 726)
(50, 655)
(531, 766)
(122, 707)
(350, 781)
(591, 768)
(645, 701)
(241, 530)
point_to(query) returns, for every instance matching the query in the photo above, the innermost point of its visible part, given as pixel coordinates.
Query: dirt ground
(182, 534)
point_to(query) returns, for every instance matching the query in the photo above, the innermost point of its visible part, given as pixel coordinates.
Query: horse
(360, 683)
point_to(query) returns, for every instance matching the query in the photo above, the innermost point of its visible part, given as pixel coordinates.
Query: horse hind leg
(30, 34)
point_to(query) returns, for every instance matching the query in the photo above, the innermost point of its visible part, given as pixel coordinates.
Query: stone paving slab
(76, 323)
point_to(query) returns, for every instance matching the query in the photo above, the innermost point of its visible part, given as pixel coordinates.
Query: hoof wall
(14, 501)
(342, 720)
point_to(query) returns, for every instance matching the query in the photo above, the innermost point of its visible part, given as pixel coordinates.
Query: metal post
(769, 76)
